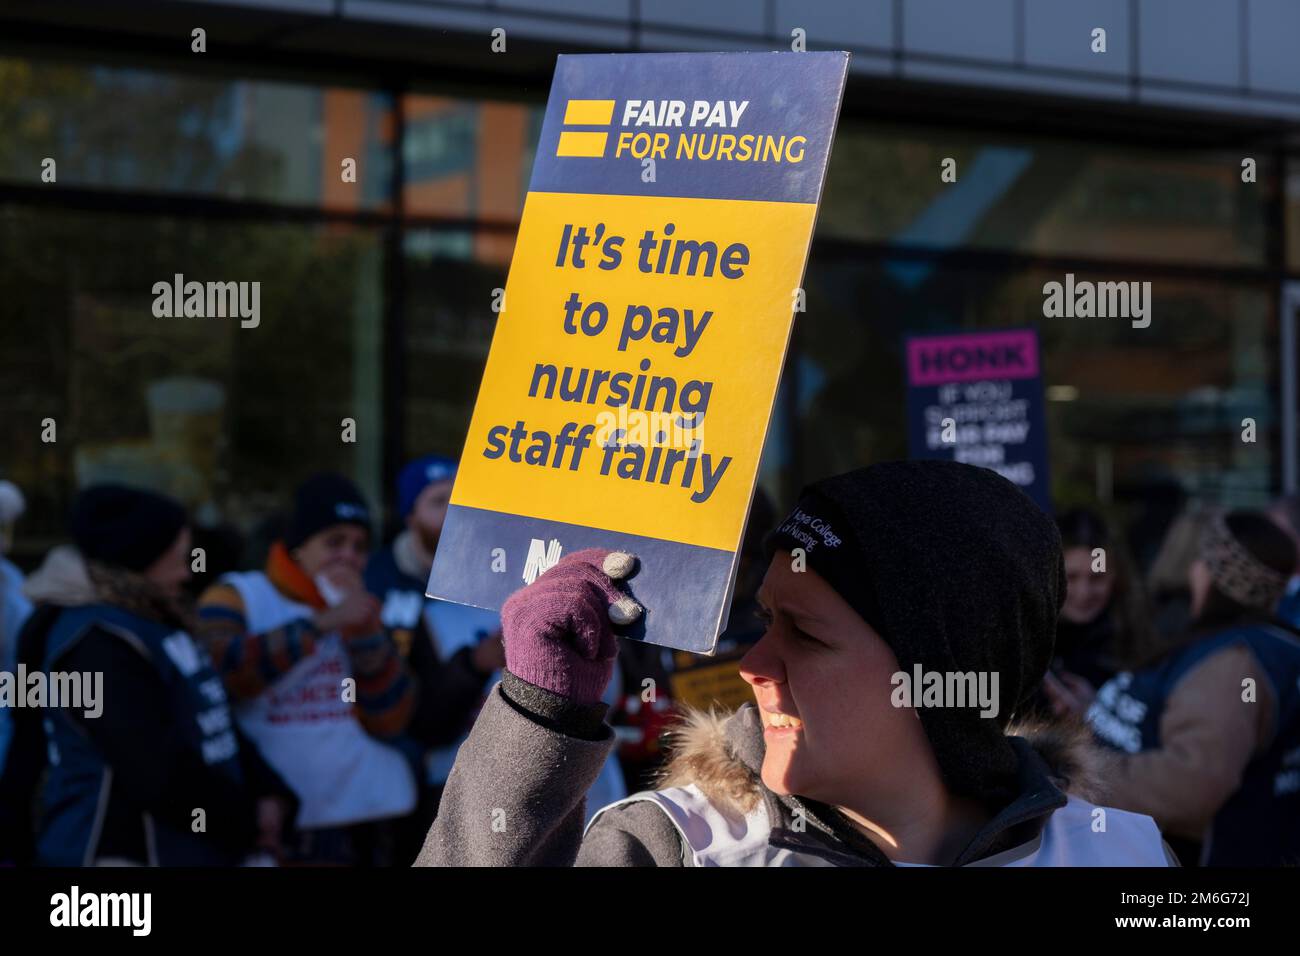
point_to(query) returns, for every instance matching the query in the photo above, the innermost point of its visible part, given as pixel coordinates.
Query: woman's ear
(1198, 584)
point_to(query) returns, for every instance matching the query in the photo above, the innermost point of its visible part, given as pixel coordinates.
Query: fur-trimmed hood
(66, 579)
(62, 579)
(722, 754)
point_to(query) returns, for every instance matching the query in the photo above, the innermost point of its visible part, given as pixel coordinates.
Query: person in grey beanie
(911, 607)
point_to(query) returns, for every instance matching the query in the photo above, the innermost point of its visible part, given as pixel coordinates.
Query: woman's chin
(779, 775)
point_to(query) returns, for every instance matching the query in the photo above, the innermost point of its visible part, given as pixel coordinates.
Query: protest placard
(647, 312)
(977, 397)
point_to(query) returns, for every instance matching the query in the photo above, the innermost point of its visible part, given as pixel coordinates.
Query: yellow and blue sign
(646, 317)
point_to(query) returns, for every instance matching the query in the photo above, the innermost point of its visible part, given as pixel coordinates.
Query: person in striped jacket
(319, 684)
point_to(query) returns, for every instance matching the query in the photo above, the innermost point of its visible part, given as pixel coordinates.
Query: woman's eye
(763, 614)
(804, 636)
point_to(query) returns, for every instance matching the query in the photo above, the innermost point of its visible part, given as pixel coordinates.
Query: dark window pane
(225, 417)
(450, 283)
(468, 157)
(1128, 408)
(240, 139)
(1045, 197)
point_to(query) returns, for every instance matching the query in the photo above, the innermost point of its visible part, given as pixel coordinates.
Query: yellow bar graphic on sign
(581, 144)
(589, 113)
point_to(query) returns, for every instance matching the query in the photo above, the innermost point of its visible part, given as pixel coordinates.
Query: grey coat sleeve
(516, 795)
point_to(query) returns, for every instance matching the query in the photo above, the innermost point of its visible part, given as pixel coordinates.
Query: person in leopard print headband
(1236, 570)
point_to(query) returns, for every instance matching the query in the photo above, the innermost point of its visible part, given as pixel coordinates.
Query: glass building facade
(376, 302)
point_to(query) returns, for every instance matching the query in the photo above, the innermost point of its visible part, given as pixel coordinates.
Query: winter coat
(515, 797)
(14, 611)
(124, 784)
(1210, 761)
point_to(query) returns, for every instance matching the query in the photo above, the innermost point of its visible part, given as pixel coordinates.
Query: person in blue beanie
(466, 646)
(452, 659)
(469, 652)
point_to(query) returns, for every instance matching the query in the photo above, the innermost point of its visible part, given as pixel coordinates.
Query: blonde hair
(1181, 546)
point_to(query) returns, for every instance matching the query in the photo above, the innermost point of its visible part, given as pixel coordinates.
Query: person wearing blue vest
(1208, 736)
(453, 663)
(154, 771)
(1285, 511)
(465, 641)
(14, 605)
(452, 666)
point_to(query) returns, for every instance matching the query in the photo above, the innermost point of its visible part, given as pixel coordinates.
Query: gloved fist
(559, 631)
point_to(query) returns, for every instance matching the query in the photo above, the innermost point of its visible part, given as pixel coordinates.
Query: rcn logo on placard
(585, 142)
(541, 558)
(347, 511)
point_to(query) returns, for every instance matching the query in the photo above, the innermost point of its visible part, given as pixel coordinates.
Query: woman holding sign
(888, 589)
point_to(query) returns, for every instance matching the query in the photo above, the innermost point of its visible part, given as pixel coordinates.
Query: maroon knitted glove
(558, 631)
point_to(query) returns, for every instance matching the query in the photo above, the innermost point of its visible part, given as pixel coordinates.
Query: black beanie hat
(323, 500)
(957, 570)
(125, 527)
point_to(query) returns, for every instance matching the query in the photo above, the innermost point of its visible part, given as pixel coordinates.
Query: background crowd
(307, 710)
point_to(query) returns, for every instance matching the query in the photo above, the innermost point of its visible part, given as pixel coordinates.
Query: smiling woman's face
(1087, 592)
(821, 678)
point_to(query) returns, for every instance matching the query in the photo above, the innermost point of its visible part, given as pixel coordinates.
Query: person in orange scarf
(320, 686)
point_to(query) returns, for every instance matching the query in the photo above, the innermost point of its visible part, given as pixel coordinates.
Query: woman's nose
(761, 664)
